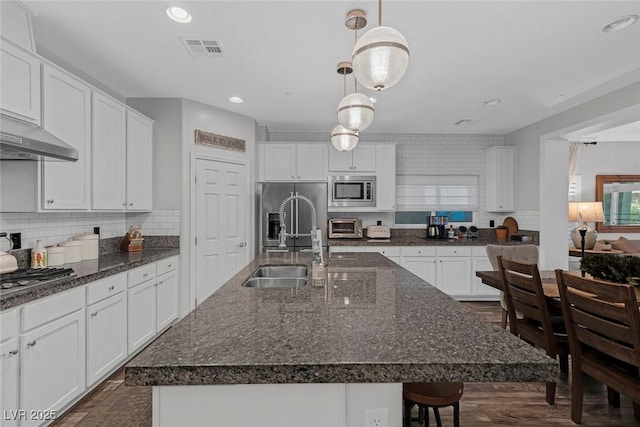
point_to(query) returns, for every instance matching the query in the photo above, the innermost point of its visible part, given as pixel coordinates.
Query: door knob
(242, 244)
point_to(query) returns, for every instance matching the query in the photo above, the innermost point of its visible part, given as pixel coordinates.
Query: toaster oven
(345, 228)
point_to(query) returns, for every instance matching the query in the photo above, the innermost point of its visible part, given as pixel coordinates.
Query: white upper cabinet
(67, 115)
(20, 82)
(360, 159)
(293, 162)
(108, 147)
(139, 162)
(500, 179)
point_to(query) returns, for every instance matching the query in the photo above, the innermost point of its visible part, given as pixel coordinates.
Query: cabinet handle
(161, 283)
(145, 274)
(50, 201)
(31, 344)
(130, 203)
(13, 352)
(112, 287)
(292, 176)
(124, 203)
(168, 265)
(94, 314)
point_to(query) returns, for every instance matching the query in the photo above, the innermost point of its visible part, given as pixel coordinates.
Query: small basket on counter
(132, 241)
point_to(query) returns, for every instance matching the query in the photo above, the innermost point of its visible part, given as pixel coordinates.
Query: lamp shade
(586, 211)
(355, 112)
(380, 58)
(344, 139)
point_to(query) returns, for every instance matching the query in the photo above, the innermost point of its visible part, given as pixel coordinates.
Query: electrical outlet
(378, 417)
(16, 238)
(96, 230)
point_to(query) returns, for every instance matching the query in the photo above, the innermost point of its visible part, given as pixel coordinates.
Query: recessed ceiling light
(178, 14)
(492, 102)
(236, 100)
(373, 100)
(620, 24)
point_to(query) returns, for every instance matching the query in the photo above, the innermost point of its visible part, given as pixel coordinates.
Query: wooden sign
(220, 141)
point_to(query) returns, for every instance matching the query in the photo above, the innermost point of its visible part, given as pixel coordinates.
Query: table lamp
(585, 212)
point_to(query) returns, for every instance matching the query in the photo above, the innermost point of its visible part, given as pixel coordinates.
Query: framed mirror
(620, 197)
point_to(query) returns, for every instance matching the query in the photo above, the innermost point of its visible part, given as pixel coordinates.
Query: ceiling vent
(203, 48)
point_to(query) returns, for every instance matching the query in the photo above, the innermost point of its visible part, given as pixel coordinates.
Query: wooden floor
(483, 404)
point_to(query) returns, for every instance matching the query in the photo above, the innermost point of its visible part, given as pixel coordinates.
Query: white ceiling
(625, 133)
(538, 57)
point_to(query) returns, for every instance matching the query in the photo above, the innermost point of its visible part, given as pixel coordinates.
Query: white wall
(167, 148)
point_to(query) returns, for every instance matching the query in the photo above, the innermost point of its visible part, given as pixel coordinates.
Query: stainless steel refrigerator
(297, 216)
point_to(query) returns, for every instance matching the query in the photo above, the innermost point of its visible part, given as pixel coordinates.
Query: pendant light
(380, 57)
(344, 139)
(355, 111)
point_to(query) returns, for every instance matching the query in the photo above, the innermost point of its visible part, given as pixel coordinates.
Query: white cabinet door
(279, 162)
(454, 275)
(139, 162)
(20, 82)
(141, 318)
(364, 158)
(108, 151)
(422, 266)
(340, 161)
(386, 178)
(311, 162)
(106, 336)
(500, 179)
(9, 365)
(52, 360)
(67, 115)
(482, 263)
(166, 299)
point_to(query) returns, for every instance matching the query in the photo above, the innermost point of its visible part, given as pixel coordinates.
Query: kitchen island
(322, 355)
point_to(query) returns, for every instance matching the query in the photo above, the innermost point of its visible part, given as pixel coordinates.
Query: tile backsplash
(55, 227)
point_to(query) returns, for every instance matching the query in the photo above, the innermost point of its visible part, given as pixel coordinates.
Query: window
(436, 192)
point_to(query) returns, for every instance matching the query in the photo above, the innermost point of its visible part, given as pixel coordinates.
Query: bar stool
(431, 395)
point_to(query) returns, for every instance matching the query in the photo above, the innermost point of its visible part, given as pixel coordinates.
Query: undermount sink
(275, 282)
(278, 276)
(281, 271)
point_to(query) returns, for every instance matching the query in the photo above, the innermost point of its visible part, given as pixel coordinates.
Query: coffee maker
(437, 227)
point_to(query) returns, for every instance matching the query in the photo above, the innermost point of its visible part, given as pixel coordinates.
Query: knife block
(131, 245)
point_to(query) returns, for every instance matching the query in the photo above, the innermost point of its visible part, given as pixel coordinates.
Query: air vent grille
(203, 48)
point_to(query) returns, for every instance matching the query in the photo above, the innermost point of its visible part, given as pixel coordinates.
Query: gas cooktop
(33, 276)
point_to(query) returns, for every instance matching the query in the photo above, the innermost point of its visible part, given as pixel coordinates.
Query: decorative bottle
(39, 255)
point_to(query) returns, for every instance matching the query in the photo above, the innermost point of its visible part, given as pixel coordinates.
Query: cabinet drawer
(9, 324)
(141, 274)
(479, 250)
(166, 265)
(454, 251)
(418, 251)
(49, 309)
(105, 288)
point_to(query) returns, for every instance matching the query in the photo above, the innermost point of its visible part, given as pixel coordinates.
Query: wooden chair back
(601, 315)
(524, 294)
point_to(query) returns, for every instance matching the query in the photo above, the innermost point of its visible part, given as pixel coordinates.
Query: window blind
(436, 192)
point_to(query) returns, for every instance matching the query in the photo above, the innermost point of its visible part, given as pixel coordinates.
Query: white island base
(277, 405)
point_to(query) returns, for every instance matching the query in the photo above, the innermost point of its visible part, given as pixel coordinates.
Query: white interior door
(221, 224)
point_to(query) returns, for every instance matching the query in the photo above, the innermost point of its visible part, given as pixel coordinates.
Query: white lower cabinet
(52, 355)
(421, 261)
(451, 269)
(9, 368)
(106, 326)
(481, 263)
(454, 271)
(141, 314)
(166, 299)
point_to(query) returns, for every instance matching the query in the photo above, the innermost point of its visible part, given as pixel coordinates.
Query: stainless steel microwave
(352, 191)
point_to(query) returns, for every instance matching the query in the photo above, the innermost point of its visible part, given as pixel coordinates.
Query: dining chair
(520, 253)
(603, 324)
(524, 293)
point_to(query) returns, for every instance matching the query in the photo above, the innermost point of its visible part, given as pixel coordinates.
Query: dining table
(549, 285)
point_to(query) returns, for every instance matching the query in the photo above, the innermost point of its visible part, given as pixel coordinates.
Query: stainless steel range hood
(25, 141)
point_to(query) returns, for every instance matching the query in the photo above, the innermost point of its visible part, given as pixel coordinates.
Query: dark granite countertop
(373, 322)
(106, 265)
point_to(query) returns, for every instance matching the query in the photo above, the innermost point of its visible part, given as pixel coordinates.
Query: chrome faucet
(315, 233)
